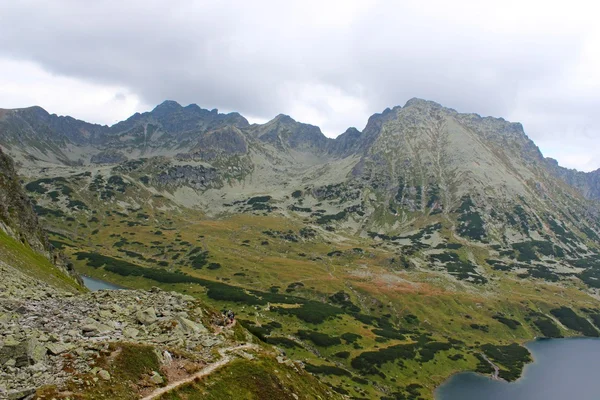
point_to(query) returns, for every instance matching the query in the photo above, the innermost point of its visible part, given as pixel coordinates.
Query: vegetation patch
(369, 361)
(511, 323)
(326, 370)
(283, 342)
(548, 328)
(512, 357)
(573, 321)
(389, 334)
(319, 339)
(470, 223)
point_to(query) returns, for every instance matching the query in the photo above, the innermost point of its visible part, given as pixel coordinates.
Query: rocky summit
(373, 265)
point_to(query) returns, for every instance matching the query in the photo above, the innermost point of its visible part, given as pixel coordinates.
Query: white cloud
(25, 84)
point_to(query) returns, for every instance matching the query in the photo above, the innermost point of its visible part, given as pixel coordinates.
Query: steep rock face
(226, 141)
(345, 143)
(588, 183)
(16, 212)
(197, 177)
(108, 157)
(284, 132)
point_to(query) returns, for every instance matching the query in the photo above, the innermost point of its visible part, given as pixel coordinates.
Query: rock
(95, 328)
(147, 316)
(13, 350)
(58, 348)
(20, 394)
(156, 378)
(36, 352)
(247, 356)
(191, 326)
(130, 332)
(104, 374)
(168, 358)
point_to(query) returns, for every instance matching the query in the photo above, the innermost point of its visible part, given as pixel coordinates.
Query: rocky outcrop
(284, 132)
(197, 177)
(108, 157)
(16, 212)
(224, 142)
(587, 183)
(42, 329)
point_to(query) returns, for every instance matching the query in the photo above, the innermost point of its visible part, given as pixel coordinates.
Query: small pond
(96, 284)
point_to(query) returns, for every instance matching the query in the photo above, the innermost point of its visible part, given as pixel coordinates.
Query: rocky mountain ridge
(193, 133)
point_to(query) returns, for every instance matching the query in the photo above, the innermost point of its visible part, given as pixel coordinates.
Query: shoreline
(523, 372)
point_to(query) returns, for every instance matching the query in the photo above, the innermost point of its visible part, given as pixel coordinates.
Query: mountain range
(198, 134)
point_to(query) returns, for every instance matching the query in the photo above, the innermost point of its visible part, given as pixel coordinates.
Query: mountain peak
(415, 101)
(167, 105)
(284, 118)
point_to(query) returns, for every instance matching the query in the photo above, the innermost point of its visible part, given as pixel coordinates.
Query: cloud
(329, 63)
(24, 84)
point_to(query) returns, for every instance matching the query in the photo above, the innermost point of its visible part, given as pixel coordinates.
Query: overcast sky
(328, 63)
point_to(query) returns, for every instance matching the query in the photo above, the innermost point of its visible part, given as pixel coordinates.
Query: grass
(128, 364)
(258, 379)
(34, 264)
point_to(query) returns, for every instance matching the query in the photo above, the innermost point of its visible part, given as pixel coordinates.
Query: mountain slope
(57, 342)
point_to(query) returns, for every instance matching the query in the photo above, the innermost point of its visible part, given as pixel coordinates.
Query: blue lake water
(96, 284)
(563, 369)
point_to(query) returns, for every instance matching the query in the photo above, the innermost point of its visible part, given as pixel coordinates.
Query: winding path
(496, 375)
(209, 369)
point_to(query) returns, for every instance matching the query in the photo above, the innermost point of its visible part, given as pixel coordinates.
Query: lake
(96, 284)
(563, 369)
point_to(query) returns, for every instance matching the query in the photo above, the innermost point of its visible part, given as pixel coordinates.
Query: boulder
(147, 316)
(36, 352)
(191, 326)
(58, 348)
(156, 378)
(104, 374)
(130, 332)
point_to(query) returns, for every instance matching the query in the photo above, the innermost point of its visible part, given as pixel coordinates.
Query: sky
(325, 62)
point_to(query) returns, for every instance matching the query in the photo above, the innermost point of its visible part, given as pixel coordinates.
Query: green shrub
(548, 328)
(283, 342)
(319, 339)
(513, 357)
(326, 370)
(369, 361)
(573, 321)
(350, 337)
(511, 323)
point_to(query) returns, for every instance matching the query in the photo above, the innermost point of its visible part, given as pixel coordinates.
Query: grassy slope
(253, 379)
(27, 260)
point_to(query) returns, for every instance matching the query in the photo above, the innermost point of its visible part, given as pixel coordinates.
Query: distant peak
(284, 118)
(415, 101)
(352, 131)
(167, 105)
